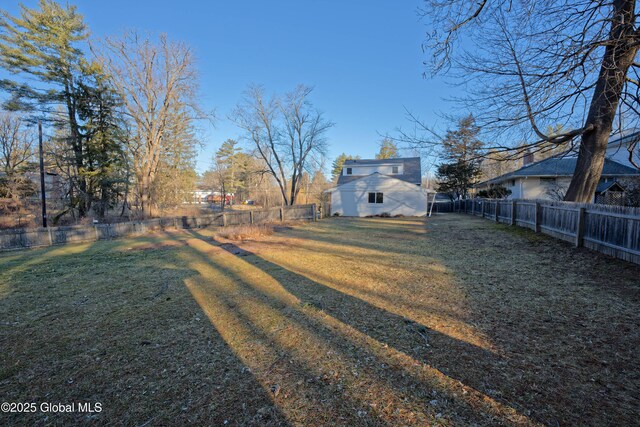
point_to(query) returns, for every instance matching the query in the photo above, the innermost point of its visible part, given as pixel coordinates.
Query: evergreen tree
(463, 143)
(43, 47)
(228, 156)
(463, 150)
(456, 178)
(388, 150)
(338, 163)
(103, 135)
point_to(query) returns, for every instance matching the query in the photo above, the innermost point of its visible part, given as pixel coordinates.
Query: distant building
(373, 187)
(199, 196)
(207, 197)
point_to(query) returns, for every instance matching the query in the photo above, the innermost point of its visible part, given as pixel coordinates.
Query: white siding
(363, 170)
(536, 188)
(400, 197)
(514, 186)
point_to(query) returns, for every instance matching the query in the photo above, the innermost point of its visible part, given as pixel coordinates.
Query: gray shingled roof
(563, 166)
(412, 171)
(604, 186)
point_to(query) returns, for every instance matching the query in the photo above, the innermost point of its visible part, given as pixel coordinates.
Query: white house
(550, 178)
(374, 187)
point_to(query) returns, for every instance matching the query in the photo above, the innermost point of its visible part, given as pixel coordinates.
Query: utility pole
(42, 186)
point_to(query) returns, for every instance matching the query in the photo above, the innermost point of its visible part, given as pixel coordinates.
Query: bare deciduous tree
(528, 65)
(16, 150)
(158, 85)
(288, 134)
(16, 143)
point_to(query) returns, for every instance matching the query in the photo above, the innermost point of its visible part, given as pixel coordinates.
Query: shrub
(494, 192)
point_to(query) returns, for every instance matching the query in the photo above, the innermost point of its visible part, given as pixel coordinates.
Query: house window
(394, 169)
(513, 182)
(547, 181)
(376, 198)
(349, 171)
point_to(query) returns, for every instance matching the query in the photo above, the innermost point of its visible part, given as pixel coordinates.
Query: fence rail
(612, 230)
(37, 237)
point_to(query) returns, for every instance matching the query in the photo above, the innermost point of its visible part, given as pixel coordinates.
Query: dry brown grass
(449, 321)
(246, 232)
(184, 210)
(241, 207)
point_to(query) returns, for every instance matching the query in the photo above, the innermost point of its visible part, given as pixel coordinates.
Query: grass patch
(383, 321)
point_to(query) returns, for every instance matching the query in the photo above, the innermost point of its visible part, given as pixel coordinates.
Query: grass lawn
(449, 321)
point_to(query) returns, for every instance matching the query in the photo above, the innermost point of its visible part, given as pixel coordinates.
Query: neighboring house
(374, 187)
(54, 186)
(200, 196)
(550, 178)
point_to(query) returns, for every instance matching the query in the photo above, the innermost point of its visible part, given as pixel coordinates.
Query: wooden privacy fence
(612, 230)
(35, 237)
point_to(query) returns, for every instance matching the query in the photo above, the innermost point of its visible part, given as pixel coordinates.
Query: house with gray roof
(379, 186)
(550, 178)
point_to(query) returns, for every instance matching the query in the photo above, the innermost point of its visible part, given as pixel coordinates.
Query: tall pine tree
(462, 150)
(54, 81)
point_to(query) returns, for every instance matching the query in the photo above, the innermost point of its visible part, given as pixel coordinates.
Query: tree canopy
(388, 149)
(54, 81)
(286, 132)
(336, 166)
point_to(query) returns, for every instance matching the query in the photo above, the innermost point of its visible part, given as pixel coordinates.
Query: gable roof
(611, 185)
(562, 166)
(412, 171)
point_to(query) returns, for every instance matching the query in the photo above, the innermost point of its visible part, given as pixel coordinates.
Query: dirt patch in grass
(384, 321)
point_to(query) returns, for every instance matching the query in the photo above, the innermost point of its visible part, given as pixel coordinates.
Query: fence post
(250, 217)
(315, 214)
(482, 210)
(50, 236)
(513, 212)
(580, 230)
(281, 214)
(224, 219)
(473, 207)
(538, 217)
(497, 210)
(97, 235)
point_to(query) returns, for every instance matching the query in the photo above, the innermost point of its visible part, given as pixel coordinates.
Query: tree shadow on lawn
(392, 353)
(544, 373)
(140, 347)
(562, 318)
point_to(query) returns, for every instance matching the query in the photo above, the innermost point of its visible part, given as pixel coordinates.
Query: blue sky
(363, 58)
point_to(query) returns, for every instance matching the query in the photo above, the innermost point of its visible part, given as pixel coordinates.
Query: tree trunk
(145, 199)
(223, 197)
(618, 57)
(292, 194)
